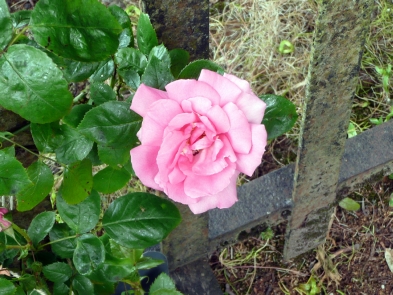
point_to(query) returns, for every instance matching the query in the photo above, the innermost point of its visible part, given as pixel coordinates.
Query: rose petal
(144, 97)
(228, 91)
(196, 186)
(205, 163)
(143, 159)
(176, 176)
(248, 163)
(219, 119)
(184, 89)
(176, 193)
(226, 151)
(199, 105)
(223, 199)
(240, 134)
(252, 107)
(242, 84)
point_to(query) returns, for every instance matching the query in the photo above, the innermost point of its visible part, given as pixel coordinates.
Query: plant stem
(80, 96)
(59, 240)
(31, 152)
(18, 35)
(22, 233)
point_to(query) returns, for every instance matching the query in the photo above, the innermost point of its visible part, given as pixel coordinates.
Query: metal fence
(328, 165)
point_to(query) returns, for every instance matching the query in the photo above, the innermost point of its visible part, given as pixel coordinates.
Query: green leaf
(13, 177)
(145, 34)
(58, 272)
(140, 220)
(131, 78)
(179, 59)
(126, 37)
(349, 204)
(78, 182)
(28, 282)
(5, 25)
(104, 70)
(82, 285)
(32, 86)
(89, 254)
(40, 226)
(148, 262)
(163, 285)
(44, 136)
(130, 59)
(60, 289)
(157, 74)
(111, 124)
(81, 217)
(100, 93)
(120, 252)
(93, 156)
(112, 270)
(19, 291)
(76, 115)
(113, 155)
(20, 18)
(42, 181)
(65, 248)
(193, 69)
(73, 146)
(78, 71)
(82, 30)
(6, 287)
(280, 115)
(110, 179)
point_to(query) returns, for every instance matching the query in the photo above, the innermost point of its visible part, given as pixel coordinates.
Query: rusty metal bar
(333, 72)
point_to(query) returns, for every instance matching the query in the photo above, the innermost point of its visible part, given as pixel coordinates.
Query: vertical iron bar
(333, 72)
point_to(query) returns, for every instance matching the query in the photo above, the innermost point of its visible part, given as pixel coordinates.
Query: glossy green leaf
(19, 291)
(148, 262)
(179, 60)
(42, 181)
(28, 282)
(145, 34)
(81, 217)
(140, 220)
(280, 115)
(112, 270)
(131, 78)
(40, 226)
(20, 18)
(5, 25)
(78, 182)
(113, 155)
(89, 254)
(349, 204)
(65, 248)
(58, 272)
(111, 124)
(32, 86)
(104, 70)
(120, 252)
(93, 156)
(100, 93)
(163, 285)
(157, 74)
(126, 37)
(60, 289)
(76, 115)
(130, 59)
(44, 136)
(110, 179)
(73, 145)
(193, 69)
(82, 285)
(162, 54)
(78, 71)
(13, 177)
(82, 30)
(6, 286)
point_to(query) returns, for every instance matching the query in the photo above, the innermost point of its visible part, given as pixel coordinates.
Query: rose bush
(197, 137)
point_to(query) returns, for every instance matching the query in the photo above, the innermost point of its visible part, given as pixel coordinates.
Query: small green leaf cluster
(90, 251)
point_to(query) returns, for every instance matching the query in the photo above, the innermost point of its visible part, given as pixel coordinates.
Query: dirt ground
(352, 261)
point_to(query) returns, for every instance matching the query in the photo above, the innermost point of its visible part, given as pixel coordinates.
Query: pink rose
(4, 224)
(197, 137)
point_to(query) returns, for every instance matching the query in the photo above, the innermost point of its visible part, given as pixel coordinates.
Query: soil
(352, 261)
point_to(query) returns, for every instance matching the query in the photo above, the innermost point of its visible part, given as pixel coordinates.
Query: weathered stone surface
(181, 24)
(338, 45)
(196, 278)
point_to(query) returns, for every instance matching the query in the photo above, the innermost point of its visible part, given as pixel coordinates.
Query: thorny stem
(31, 152)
